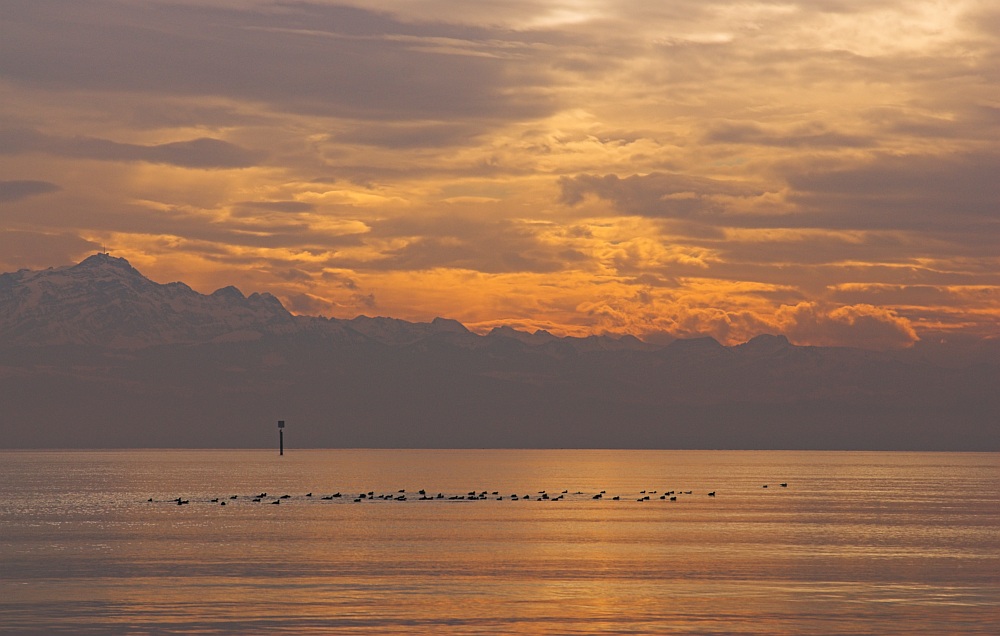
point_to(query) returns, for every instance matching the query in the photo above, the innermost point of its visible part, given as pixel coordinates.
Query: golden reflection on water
(858, 543)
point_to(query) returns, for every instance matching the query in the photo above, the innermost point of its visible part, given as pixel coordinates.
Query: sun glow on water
(854, 542)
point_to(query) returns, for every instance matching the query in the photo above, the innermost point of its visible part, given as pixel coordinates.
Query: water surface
(877, 543)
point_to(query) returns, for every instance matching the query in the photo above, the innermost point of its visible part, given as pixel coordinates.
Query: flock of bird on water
(422, 495)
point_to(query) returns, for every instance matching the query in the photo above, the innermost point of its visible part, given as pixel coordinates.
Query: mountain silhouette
(97, 355)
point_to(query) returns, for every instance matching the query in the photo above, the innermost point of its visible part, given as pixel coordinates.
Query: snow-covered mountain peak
(448, 325)
(229, 292)
(104, 260)
(103, 300)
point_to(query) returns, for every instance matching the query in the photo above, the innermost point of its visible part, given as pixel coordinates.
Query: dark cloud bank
(16, 190)
(203, 152)
(306, 58)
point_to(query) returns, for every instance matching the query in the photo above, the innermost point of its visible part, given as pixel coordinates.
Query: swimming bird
(711, 494)
(783, 485)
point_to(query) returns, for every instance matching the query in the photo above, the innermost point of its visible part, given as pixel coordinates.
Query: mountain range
(96, 355)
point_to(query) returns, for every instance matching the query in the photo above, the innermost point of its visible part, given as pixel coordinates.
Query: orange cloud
(663, 171)
(864, 326)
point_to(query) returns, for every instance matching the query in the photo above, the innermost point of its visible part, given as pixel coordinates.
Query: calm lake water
(857, 543)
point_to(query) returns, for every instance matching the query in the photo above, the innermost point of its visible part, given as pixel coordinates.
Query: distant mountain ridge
(104, 301)
(97, 355)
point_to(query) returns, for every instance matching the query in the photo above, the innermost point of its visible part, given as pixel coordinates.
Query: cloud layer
(819, 169)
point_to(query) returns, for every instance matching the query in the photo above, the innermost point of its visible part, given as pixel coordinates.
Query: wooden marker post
(281, 437)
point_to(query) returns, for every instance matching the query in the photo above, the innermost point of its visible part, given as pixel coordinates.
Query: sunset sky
(825, 169)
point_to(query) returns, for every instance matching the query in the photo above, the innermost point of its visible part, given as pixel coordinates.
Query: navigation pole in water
(281, 437)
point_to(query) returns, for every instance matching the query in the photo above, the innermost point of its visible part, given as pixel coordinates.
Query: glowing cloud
(820, 169)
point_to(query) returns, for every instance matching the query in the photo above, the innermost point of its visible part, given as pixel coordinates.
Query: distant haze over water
(96, 355)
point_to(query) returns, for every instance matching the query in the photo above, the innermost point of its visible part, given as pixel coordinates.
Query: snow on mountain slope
(105, 301)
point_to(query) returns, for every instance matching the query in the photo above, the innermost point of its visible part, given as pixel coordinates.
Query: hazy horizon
(98, 355)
